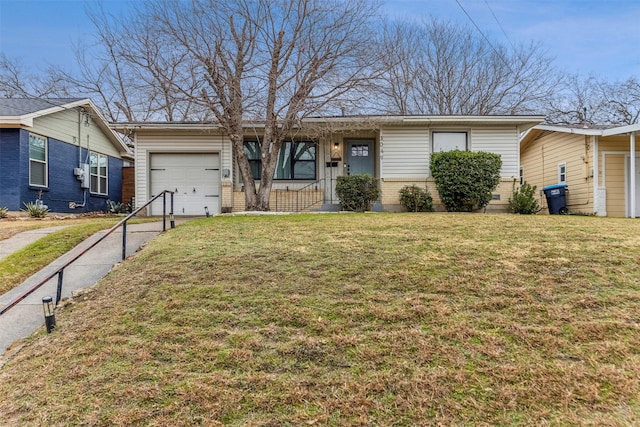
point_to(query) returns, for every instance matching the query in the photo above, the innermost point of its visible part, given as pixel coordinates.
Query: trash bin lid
(551, 187)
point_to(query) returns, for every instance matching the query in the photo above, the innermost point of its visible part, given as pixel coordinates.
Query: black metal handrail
(123, 223)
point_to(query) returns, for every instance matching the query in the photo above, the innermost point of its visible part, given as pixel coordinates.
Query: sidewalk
(20, 240)
(27, 316)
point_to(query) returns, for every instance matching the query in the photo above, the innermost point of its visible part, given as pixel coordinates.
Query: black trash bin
(556, 199)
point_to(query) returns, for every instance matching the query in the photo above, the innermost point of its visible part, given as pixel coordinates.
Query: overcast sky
(600, 37)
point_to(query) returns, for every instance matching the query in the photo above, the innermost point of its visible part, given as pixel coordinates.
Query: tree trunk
(250, 195)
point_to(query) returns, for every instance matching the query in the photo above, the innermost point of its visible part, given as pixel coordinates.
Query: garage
(195, 178)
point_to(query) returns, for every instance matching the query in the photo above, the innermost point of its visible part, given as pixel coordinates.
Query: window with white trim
(562, 173)
(521, 175)
(449, 141)
(38, 155)
(99, 168)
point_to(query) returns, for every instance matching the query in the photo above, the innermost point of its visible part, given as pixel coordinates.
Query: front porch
(320, 196)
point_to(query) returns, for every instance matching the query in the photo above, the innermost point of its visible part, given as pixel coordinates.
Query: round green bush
(465, 179)
(357, 192)
(416, 199)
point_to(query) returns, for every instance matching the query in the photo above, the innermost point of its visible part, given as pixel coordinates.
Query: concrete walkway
(20, 240)
(27, 316)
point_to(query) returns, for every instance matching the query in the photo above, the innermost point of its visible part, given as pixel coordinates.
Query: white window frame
(45, 162)
(97, 175)
(562, 173)
(521, 175)
(450, 143)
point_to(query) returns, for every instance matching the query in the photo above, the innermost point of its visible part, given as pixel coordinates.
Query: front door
(360, 157)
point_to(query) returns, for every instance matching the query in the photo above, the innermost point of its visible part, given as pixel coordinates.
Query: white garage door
(194, 177)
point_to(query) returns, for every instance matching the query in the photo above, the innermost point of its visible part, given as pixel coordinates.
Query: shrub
(118, 207)
(357, 192)
(3, 211)
(416, 199)
(524, 200)
(35, 210)
(465, 179)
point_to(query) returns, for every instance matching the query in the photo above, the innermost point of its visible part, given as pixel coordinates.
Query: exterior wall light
(49, 313)
(336, 156)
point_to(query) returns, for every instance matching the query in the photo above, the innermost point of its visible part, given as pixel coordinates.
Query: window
(360, 150)
(98, 172)
(562, 173)
(37, 160)
(521, 175)
(449, 141)
(252, 150)
(296, 160)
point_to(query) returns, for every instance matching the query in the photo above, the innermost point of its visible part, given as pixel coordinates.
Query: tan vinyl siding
(501, 141)
(615, 143)
(404, 153)
(615, 150)
(540, 160)
(178, 142)
(68, 124)
(615, 169)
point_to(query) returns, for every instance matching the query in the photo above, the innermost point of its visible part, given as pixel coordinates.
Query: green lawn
(349, 319)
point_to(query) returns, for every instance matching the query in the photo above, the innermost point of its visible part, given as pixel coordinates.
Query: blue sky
(599, 37)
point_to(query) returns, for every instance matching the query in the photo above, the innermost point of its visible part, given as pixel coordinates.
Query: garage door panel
(195, 178)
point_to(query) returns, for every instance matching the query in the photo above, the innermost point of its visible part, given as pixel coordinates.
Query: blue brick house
(61, 153)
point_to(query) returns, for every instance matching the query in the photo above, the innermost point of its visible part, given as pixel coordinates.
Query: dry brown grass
(364, 319)
(9, 228)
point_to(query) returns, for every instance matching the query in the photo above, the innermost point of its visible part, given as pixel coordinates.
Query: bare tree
(17, 81)
(593, 101)
(278, 61)
(442, 68)
(579, 101)
(129, 72)
(623, 101)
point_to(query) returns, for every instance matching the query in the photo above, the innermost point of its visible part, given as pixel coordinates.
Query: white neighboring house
(195, 160)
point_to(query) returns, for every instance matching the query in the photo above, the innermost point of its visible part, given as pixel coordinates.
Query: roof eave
(524, 121)
(16, 121)
(133, 126)
(621, 130)
(570, 130)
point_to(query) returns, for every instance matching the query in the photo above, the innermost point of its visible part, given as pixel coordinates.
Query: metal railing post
(59, 292)
(164, 211)
(60, 273)
(172, 220)
(124, 240)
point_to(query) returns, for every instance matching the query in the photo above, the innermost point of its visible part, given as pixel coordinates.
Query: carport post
(632, 175)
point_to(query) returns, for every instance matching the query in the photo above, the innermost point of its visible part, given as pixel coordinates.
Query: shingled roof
(22, 106)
